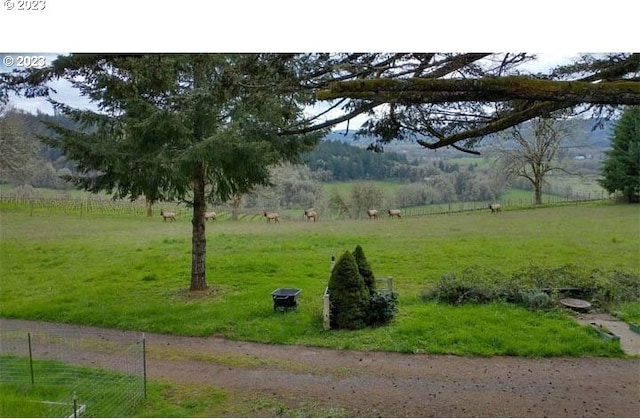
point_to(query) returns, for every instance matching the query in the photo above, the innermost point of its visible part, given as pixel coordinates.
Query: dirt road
(382, 384)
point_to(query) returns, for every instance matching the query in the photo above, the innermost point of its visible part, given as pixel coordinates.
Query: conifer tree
(365, 269)
(192, 128)
(348, 294)
(621, 169)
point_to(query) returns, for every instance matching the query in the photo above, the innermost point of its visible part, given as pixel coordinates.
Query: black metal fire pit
(284, 298)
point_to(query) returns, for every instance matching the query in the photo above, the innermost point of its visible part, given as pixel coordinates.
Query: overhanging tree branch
(604, 81)
(421, 90)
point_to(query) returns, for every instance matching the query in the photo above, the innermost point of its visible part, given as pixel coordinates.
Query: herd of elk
(309, 214)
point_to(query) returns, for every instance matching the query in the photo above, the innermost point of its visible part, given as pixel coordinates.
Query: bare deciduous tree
(533, 154)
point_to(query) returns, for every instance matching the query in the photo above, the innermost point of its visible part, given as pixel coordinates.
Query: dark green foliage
(349, 295)
(365, 269)
(383, 306)
(604, 289)
(621, 169)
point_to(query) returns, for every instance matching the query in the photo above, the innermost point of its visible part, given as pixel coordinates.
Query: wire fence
(54, 374)
(102, 206)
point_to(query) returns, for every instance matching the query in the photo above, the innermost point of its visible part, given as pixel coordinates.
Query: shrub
(382, 307)
(536, 287)
(536, 299)
(472, 287)
(348, 294)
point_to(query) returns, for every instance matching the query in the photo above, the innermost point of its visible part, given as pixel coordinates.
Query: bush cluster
(536, 287)
(355, 303)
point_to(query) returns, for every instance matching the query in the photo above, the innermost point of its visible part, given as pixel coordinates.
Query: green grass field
(133, 273)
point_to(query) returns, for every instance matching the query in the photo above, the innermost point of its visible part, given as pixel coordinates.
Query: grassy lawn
(131, 272)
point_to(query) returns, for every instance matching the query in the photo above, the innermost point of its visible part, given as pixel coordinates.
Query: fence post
(326, 310)
(30, 358)
(390, 284)
(144, 365)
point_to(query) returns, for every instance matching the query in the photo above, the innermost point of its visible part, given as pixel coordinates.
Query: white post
(326, 310)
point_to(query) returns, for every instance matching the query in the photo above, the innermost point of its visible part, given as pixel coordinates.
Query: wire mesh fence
(56, 374)
(102, 206)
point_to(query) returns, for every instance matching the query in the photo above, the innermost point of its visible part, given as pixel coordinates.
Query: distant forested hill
(337, 160)
(585, 132)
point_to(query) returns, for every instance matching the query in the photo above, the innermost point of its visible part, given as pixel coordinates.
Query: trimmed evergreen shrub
(382, 307)
(365, 269)
(348, 294)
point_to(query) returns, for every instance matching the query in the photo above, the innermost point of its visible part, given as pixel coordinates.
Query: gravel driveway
(369, 384)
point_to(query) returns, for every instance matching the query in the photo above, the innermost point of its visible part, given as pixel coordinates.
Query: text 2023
(31, 4)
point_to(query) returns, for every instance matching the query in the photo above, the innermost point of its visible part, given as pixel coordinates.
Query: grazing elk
(271, 216)
(211, 215)
(495, 207)
(372, 213)
(311, 213)
(168, 215)
(394, 213)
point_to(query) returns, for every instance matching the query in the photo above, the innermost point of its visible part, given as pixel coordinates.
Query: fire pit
(284, 298)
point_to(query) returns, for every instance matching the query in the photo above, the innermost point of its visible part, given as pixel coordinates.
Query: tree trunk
(235, 206)
(149, 205)
(198, 238)
(537, 187)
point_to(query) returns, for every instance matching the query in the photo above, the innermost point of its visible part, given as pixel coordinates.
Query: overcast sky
(555, 30)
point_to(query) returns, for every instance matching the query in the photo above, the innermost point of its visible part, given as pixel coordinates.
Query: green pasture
(132, 272)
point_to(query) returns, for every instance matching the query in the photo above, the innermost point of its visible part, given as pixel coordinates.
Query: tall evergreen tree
(621, 169)
(195, 128)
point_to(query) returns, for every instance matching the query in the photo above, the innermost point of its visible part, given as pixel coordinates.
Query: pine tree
(621, 169)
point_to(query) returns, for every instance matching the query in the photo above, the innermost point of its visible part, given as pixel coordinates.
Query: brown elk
(311, 213)
(211, 215)
(168, 215)
(372, 213)
(394, 213)
(495, 207)
(271, 216)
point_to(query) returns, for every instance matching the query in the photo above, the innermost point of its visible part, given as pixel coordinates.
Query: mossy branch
(427, 90)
